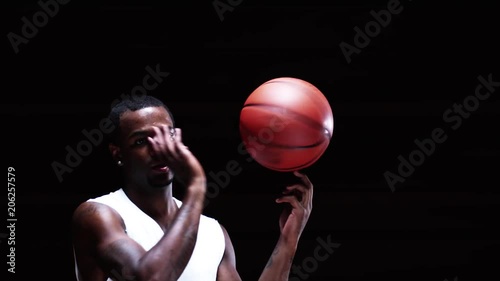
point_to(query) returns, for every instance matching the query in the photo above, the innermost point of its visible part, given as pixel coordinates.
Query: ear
(115, 152)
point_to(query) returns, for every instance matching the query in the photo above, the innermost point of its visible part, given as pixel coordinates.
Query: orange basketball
(286, 124)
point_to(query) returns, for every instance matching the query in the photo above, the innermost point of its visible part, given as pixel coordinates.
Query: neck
(158, 203)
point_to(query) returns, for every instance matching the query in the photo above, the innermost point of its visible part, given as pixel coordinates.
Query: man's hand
(296, 213)
(167, 146)
(293, 219)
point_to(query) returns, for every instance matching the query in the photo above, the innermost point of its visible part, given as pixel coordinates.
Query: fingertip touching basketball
(286, 124)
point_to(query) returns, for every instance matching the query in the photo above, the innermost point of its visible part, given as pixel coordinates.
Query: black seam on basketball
(305, 90)
(278, 109)
(292, 146)
(294, 168)
(276, 145)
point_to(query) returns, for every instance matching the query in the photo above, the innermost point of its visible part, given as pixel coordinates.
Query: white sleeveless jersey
(208, 250)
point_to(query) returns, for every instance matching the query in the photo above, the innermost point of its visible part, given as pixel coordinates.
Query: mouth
(160, 168)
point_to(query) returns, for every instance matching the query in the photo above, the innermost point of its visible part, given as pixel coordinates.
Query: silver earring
(120, 163)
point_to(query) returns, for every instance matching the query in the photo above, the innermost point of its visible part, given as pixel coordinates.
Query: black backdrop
(440, 223)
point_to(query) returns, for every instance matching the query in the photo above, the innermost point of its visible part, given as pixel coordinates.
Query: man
(141, 232)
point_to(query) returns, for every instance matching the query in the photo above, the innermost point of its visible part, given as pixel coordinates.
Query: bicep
(101, 245)
(227, 268)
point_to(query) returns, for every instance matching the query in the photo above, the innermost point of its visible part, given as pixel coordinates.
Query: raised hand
(166, 146)
(296, 212)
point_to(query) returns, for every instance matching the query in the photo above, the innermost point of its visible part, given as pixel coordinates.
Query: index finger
(308, 186)
(304, 178)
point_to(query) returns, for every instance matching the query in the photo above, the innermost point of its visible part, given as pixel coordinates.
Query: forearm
(168, 258)
(279, 264)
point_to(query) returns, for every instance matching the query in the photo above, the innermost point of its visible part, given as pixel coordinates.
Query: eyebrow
(138, 133)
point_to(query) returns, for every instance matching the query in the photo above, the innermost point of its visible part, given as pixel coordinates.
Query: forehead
(143, 119)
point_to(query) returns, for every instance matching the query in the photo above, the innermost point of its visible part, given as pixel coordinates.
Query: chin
(161, 182)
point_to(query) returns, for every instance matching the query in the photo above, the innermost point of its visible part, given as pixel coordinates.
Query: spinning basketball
(286, 124)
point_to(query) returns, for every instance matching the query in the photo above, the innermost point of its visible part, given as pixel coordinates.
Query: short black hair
(132, 104)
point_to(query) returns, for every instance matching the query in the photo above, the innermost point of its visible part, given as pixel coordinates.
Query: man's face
(141, 167)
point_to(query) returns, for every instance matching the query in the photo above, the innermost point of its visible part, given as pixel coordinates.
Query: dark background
(440, 223)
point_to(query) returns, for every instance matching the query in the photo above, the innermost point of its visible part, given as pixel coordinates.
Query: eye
(140, 141)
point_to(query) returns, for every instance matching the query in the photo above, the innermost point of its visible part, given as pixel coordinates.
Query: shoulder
(89, 209)
(224, 230)
(211, 227)
(229, 254)
(92, 216)
(213, 222)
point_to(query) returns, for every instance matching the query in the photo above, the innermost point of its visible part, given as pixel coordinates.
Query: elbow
(152, 274)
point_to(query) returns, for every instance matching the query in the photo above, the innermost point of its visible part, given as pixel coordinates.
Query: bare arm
(278, 265)
(227, 268)
(298, 200)
(103, 248)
